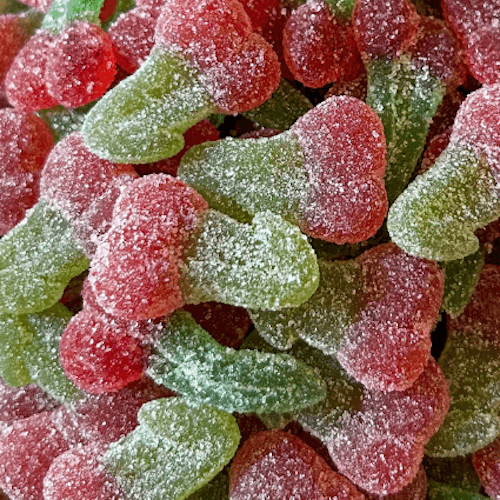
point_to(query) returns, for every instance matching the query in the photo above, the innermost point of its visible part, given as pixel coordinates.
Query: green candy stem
(436, 216)
(143, 118)
(64, 12)
(266, 265)
(220, 171)
(38, 258)
(405, 99)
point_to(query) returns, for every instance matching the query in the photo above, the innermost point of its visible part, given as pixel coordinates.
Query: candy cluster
(249, 250)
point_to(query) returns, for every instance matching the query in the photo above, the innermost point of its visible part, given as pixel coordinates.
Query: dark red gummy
(25, 141)
(487, 465)
(278, 465)
(132, 35)
(81, 65)
(318, 48)
(25, 83)
(79, 474)
(27, 449)
(384, 30)
(344, 154)
(208, 31)
(434, 149)
(483, 54)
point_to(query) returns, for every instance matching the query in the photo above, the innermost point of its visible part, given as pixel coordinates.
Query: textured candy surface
(194, 443)
(278, 465)
(190, 362)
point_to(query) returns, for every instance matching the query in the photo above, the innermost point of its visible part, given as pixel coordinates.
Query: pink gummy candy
(25, 81)
(387, 348)
(27, 449)
(135, 273)
(25, 141)
(381, 447)
(483, 54)
(384, 30)
(344, 154)
(318, 48)
(107, 417)
(79, 474)
(487, 465)
(81, 65)
(278, 465)
(416, 490)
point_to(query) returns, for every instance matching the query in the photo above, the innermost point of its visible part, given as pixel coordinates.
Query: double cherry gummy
(249, 250)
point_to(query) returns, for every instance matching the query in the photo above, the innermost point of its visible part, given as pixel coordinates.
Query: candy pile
(249, 250)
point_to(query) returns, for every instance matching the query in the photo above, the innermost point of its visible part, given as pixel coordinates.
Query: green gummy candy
(38, 258)
(191, 362)
(64, 12)
(41, 355)
(175, 451)
(342, 394)
(440, 491)
(266, 265)
(461, 278)
(14, 337)
(62, 121)
(216, 489)
(458, 472)
(220, 172)
(321, 321)
(406, 99)
(282, 110)
(472, 368)
(144, 117)
(436, 216)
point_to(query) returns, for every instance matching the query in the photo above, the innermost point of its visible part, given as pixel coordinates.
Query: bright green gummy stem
(38, 258)
(268, 264)
(405, 99)
(220, 172)
(64, 12)
(143, 119)
(436, 216)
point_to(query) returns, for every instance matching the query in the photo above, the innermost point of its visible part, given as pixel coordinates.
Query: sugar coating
(416, 490)
(384, 29)
(189, 361)
(78, 473)
(483, 54)
(266, 265)
(25, 80)
(81, 65)
(487, 465)
(278, 465)
(26, 141)
(192, 443)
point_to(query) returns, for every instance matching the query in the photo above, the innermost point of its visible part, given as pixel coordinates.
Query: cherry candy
(278, 465)
(25, 81)
(416, 490)
(26, 141)
(384, 29)
(81, 65)
(483, 54)
(79, 474)
(487, 465)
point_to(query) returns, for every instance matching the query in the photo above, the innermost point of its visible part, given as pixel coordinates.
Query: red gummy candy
(381, 447)
(99, 355)
(228, 82)
(135, 273)
(384, 30)
(107, 417)
(318, 48)
(201, 132)
(416, 490)
(208, 31)
(22, 402)
(487, 465)
(132, 35)
(27, 449)
(79, 474)
(227, 324)
(347, 201)
(434, 149)
(25, 141)
(261, 12)
(483, 54)
(13, 35)
(25, 81)
(278, 465)
(81, 65)
(387, 348)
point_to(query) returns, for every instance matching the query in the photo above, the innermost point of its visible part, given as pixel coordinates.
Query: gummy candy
(189, 361)
(324, 174)
(439, 491)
